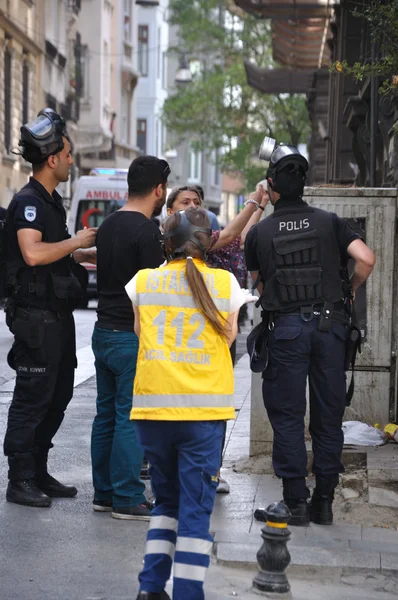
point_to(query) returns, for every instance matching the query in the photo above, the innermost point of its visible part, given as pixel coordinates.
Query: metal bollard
(273, 556)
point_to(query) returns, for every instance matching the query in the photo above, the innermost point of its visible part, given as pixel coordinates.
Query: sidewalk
(342, 548)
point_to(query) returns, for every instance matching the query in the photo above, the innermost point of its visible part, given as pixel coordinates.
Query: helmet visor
(41, 127)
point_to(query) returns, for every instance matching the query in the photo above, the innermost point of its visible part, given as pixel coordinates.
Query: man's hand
(86, 237)
(249, 296)
(88, 256)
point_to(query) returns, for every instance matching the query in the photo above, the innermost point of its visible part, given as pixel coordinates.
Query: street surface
(68, 552)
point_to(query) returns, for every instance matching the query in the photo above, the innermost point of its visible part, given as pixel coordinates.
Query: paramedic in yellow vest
(186, 318)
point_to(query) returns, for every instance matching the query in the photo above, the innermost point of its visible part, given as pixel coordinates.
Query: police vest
(184, 368)
(299, 258)
(59, 286)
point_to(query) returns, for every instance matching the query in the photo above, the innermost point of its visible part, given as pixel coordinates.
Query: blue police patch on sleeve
(30, 213)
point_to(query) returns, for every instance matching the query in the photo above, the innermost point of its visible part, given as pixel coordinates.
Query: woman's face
(185, 200)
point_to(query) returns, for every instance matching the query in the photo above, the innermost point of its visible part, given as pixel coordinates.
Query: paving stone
(383, 497)
(389, 562)
(236, 553)
(379, 534)
(240, 526)
(321, 557)
(337, 532)
(383, 463)
(373, 546)
(238, 537)
(304, 555)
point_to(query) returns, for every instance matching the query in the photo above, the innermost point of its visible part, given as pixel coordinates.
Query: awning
(279, 81)
(301, 44)
(300, 30)
(285, 9)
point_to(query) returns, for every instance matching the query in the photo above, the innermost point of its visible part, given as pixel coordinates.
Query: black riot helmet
(186, 231)
(287, 167)
(42, 137)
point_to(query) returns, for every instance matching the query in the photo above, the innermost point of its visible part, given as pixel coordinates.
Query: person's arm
(259, 287)
(235, 227)
(88, 256)
(35, 252)
(364, 262)
(137, 325)
(232, 327)
(251, 258)
(254, 219)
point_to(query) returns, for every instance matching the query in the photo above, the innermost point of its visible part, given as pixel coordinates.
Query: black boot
(53, 488)
(27, 493)
(300, 510)
(321, 509)
(49, 485)
(153, 596)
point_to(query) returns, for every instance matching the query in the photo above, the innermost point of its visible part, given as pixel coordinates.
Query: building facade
(105, 136)
(353, 138)
(21, 53)
(152, 31)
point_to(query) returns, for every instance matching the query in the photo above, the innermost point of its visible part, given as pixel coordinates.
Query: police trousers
(297, 351)
(44, 357)
(184, 458)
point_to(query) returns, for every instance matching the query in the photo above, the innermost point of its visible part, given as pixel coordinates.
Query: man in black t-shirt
(127, 241)
(297, 256)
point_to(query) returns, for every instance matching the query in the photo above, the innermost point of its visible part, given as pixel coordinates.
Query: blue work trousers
(297, 350)
(184, 458)
(116, 454)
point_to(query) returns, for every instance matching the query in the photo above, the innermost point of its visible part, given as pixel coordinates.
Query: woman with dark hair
(226, 249)
(186, 318)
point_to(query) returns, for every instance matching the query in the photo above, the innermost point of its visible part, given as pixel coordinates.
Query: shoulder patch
(30, 213)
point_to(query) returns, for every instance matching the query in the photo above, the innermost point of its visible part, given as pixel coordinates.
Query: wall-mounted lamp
(183, 74)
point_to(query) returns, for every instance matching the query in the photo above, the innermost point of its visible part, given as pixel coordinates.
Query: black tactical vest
(299, 258)
(58, 286)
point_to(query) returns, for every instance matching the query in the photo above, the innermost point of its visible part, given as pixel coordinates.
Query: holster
(325, 319)
(10, 309)
(257, 345)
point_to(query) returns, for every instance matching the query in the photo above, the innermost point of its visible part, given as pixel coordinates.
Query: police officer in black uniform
(45, 284)
(298, 255)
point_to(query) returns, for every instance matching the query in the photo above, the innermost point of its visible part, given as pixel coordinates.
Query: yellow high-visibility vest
(184, 368)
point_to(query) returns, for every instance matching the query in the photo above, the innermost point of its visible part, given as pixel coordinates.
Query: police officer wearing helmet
(45, 283)
(298, 255)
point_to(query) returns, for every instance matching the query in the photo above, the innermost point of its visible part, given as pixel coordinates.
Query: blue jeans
(116, 454)
(184, 458)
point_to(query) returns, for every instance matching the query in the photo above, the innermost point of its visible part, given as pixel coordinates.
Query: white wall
(96, 30)
(151, 90)
(55, 31)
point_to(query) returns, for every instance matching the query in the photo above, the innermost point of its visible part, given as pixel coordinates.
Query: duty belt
(325, 312)
(23, 313)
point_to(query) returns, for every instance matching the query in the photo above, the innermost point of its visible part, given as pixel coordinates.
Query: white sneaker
(223, 486)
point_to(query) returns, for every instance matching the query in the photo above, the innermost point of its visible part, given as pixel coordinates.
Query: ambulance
(95, 197)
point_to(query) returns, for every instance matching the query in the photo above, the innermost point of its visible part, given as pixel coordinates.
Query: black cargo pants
(297, 350)
(44, 357)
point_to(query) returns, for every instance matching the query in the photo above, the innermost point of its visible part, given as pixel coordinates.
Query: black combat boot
(321, 508)
(48, 484)
(53, 488)
(300, 511)
(322, 499)
(153, 596)
(27, 493)
(295, 494)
